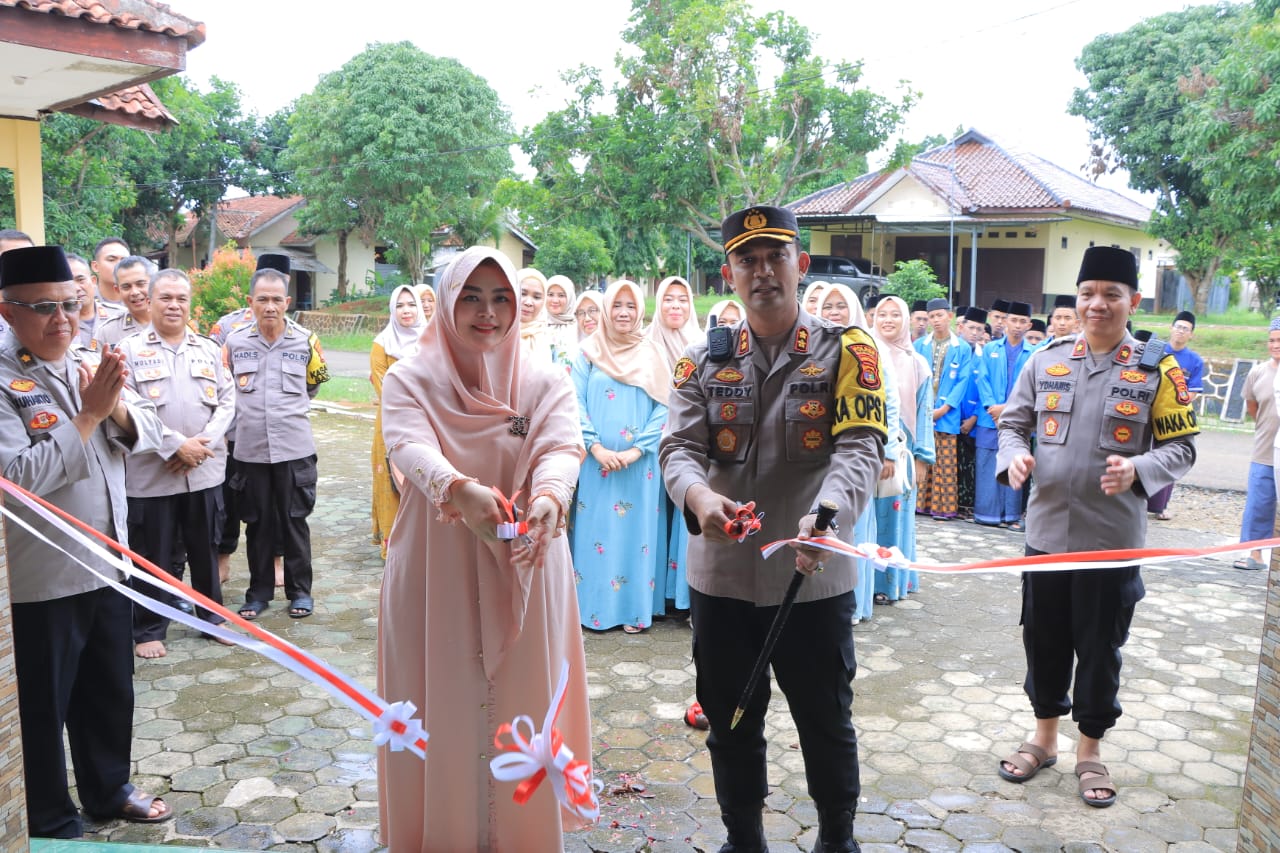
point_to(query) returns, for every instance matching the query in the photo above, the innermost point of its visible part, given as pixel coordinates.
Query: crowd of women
(627, 540)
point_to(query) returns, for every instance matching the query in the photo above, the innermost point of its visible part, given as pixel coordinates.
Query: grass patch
(349, 341)
(347, 390)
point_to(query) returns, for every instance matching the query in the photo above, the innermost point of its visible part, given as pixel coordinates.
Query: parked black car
(846, 271)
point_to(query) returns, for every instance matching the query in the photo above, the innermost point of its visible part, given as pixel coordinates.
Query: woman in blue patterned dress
(622, 393)
(896, 515)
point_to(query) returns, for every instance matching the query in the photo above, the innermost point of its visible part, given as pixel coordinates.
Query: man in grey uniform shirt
(66, 421)
(790, 411)
(1112, 424)
(278, 367)
(175, 494)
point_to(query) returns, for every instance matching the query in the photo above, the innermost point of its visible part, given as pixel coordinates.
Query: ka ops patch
(859, 392)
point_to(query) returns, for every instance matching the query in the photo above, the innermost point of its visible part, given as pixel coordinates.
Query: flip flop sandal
(880, 598)
(300, 607)
(695, 718)
(252, 609)
(1029, 770)
(137, 808)
(1102, 782)
(1249, 565)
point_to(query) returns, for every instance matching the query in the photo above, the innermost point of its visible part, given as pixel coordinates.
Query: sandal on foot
(695, 718)
(1029, 770)
(137, 808)
(252, 609)
(1249, 565)
(301, 607)
(1101, 782)
(1163, 516)
(880, 598)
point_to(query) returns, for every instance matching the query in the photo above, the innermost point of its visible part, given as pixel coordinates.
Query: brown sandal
(1029, 770)
(1101, 782)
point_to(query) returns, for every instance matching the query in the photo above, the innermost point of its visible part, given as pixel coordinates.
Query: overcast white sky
(1005, 67)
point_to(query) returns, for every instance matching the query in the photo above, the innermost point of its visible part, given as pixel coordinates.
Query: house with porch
(991, 222)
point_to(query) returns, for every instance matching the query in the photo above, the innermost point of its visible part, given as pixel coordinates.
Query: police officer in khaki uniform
(786, 410)
(1112, 424)
(66, 423)
(133, 282)
(229, 536)
(278, 367)
(177, 491)
(109, 252)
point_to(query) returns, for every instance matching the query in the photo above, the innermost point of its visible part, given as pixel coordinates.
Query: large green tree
(696, 129)
(393, 145)
(1138, 110)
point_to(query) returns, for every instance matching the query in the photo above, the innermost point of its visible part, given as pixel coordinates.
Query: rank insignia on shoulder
(25, 357)
(1123, 354)
(1080, 348)
(744, 341)
(729, 374)
(1058, 369)
(802, 340)
(683, 370)
(22, 384)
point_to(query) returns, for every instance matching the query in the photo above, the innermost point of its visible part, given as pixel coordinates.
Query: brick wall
(1260, 809)
(13, 805)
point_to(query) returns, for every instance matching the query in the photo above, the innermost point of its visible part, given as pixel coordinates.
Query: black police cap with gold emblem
(761, 221)
(34, 265)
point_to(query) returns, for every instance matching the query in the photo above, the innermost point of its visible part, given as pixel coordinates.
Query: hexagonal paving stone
(204, 822)
(270, 810)
(307, 826)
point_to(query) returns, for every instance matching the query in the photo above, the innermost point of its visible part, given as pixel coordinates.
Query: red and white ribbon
(884, 558)
(393, 723)
(513, 527)
(530, 755)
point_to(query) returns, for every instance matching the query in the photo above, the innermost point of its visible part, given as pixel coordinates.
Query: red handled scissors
(745, 522)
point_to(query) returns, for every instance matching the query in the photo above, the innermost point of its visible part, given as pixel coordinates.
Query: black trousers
(275, 500)
(229, 533)
(814, 664)
(1081, 618)
(74, 660)
(159, 529)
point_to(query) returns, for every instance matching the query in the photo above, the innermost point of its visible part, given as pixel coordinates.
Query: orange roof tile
(124, 14)
(136, 106)
(980, 177)
(241, 218)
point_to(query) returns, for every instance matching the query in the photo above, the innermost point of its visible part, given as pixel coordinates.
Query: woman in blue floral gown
(616, 528)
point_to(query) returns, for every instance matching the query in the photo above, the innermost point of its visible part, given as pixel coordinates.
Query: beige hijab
(719, 307)
(532, 333)
(857, 317)
(672, 342)
(629, 357)
(909, 368)
(571, 297)
(817, 290)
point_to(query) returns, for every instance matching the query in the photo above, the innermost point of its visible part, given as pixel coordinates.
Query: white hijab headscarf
(718, 309)
(399, 341)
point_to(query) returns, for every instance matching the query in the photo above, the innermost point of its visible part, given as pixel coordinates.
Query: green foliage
(694, 131)
(574, 251)
(1139, 114)
(222, 286)
(912, 280)
(395, 144)
(1259, 260)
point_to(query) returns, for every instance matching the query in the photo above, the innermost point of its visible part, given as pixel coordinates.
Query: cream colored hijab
(571, 297)
(399, 341)
(908, 365)
(719, 307)
(629, 357)
(672, 342)
(596, 298)
(531, 333)
(816, 290)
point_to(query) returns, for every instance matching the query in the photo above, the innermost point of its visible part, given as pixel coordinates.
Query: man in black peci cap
(919, 319)
(1062, 319)
(1110, 427)
(718, 453)
(995, 317)
(66, 423)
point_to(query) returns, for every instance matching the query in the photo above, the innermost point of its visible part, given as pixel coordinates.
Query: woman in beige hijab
(533, 314)
(622, 386)
(473, 630)
(562, 328)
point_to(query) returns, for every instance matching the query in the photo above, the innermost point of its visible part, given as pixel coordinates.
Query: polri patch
(683, 370)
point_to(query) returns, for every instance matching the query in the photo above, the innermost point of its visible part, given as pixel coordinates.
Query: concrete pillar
(1260, 808)
(20, 153)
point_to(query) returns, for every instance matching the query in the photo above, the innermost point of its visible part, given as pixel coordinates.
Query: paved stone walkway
(253, 759)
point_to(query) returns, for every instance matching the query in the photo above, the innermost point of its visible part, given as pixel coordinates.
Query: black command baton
(826, 514)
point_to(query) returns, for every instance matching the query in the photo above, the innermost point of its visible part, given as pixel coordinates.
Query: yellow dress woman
(398, 339)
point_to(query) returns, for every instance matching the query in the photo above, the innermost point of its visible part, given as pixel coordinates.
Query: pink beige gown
(462, 634)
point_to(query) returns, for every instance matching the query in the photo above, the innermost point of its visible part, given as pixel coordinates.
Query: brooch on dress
(519, 425)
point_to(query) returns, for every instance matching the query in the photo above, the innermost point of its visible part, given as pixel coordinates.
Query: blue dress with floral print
(617, 525)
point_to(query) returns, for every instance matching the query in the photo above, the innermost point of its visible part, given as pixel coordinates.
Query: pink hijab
(672, 342)
(909, 368)
(629, 357)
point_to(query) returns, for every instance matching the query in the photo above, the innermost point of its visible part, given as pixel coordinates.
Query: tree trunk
(342, 264)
